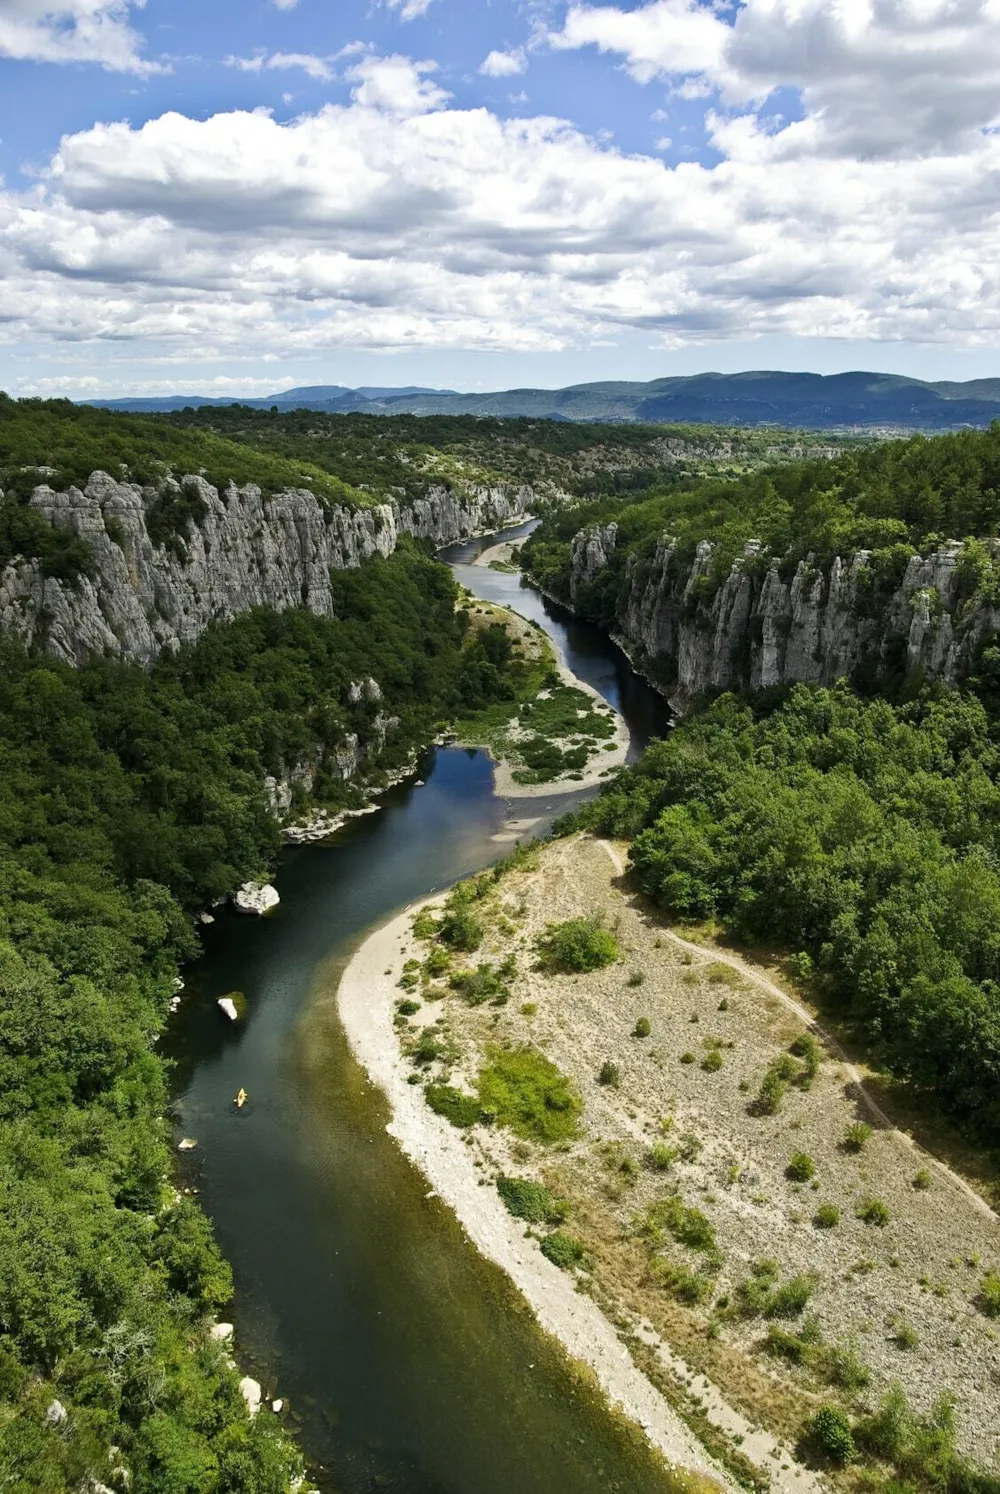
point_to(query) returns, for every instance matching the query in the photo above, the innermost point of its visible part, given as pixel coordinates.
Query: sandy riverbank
(502, 554)
(366, 1000)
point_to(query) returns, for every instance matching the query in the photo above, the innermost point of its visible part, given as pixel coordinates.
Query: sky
(240, 196)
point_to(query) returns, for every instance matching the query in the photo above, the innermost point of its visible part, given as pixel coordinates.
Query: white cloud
(409, 10)
(73, 31)
(284, 4)
(396, 84)
(461, 229)
(315, 67)
(504, 64)
(876, 77)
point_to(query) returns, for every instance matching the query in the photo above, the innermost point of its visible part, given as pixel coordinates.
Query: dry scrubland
(887, 1292)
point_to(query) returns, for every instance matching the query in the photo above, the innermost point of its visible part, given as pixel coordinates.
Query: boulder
(251, 1392)
(256, 897)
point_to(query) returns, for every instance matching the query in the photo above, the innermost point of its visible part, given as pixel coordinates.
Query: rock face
(246, 551)
(770, 624)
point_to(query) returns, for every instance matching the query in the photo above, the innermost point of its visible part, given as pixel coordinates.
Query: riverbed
(409, 1363)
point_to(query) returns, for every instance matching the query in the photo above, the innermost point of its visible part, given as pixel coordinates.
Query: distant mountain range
(849, 401)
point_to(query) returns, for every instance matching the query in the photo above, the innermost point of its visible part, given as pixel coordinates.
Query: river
(409, 1364)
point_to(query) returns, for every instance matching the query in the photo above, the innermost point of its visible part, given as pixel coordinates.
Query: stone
(228, 1005)
(187, 1145)
(277, 1406)
(251, 1392)
(56, 1414)
(222, 1332)
(256, 898)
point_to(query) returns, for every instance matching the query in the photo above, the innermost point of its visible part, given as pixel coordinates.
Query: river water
(409, 1364)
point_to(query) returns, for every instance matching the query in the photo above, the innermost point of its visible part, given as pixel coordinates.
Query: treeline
(863, 838)
(128, 800)
(893, 499)
(59, 443)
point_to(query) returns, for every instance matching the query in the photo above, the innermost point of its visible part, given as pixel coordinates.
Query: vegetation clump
(577, 946)
(521, 1089)
(829, 1434)
(460, 1109)
(827, 1216)
(528, 1200)
(801, 1168)
(563, 1250)
(643, 1028)
(857, 1136)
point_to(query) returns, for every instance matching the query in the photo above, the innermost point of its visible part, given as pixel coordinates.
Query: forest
(861, 837)
(894, 499)
(128, 800)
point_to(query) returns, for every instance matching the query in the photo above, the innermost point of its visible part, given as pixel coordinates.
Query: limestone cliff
(247, 550)
(769, 623)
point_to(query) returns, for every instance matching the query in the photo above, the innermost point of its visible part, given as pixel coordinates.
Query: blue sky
(219, 197)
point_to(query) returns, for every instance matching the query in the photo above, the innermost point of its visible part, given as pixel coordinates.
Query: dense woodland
(892, 499)
(127, 801)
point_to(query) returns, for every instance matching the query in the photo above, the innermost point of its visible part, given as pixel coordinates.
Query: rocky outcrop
(256, 897)
(247, 550)
(768, 623)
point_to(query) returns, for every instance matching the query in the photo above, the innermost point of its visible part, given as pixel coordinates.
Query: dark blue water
(404, 1357)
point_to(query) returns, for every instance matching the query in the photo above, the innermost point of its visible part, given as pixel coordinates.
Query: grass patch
(528, 1200)
(460, 1109)
(563, 1250)
(688, 1226)
(523, 1091)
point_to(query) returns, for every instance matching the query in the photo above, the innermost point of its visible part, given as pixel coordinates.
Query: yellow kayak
(241, 1099)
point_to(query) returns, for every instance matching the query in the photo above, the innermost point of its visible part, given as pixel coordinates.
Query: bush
(563, 1250)
(485, 983)
(524, 1091)
(689, 1057)
(791, 1298)
(686, 1225)
(771, 1093)
(407, 1008)
(461, 930)
(712, 1062)
(526, 1199)
(662, 1156)
(857, 1137)
(642, 1028)
(680, 1281)
(873, 1211)
(460, 1109)
(760, 1295)
(577, 946)
(829, 1434)
(801, 1168)
(636, 978)
(437, 962)
(827, 1216)
(610, 1074)
(922, 1180)
(988, 1300)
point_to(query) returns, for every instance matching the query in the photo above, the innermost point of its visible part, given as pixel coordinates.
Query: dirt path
(750, 973)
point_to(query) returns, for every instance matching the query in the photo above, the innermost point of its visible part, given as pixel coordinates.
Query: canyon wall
(248, 550)
(769, 623)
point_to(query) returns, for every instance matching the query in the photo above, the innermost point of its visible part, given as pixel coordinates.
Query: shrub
(524, 1091)
(689, 1147)
(461, 929)
(407, 1008)
(906, 1336)
(687, 1226)
(563, 1250)
(760, 1295)
(460, 1109)
(642, 1028)
(577, 946)
(873, 1211)
(988, 1300)
(857, 1137)
(610, 1074)
(712, 1062)
(437, 962)
(809, 1051)
(636, 978)
(681, 1282)
(827, 1216)
(801, 1168)
(526, 1199)
(485, 983)
(424, 924)
(922, 1180)
(771, 1093)
(829, 1434)
(661, 1156)
(790, 1299)
(689, 1057)
(843, 1368)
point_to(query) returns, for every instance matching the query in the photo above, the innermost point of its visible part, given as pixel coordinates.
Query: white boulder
(256, 897)
(251, 1392)
(228, 1005)
(222, 1332)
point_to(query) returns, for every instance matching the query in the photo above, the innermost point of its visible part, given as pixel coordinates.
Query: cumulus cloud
(73, 31)
(462, 229)
(876, 77)
(504, 64)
